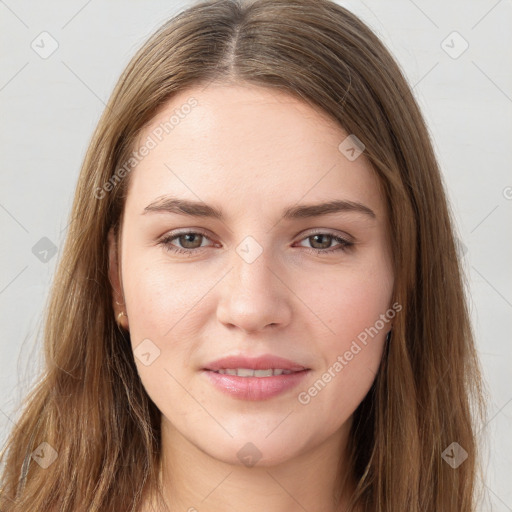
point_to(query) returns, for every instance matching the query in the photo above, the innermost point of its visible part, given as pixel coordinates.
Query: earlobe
(114, 276)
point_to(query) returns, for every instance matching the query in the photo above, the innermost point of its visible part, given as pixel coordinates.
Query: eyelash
(166, 242)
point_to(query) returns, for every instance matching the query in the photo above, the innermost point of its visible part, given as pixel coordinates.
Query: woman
(259, 305)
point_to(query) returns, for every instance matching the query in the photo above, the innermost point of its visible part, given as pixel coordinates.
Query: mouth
(249, 372)
(254, 378)
(265, 365)
(255, 385)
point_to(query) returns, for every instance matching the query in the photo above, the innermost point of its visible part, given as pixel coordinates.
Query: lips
(264, 362)
(251, 379)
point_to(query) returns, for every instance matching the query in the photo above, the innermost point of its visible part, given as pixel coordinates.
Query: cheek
(159, 303)
(158, 297)
(162, 323)
(355, 306)
(351, 361)
(349, 301)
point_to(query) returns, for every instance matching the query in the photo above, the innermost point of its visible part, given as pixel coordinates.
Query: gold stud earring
(120, 314)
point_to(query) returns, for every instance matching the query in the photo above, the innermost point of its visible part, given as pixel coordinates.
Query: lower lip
(255, 388)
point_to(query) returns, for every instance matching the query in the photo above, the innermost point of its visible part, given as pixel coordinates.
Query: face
(313, 287)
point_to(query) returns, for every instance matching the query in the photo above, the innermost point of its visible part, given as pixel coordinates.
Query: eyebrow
(169, 204)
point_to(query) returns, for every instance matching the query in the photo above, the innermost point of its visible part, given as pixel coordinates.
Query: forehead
(248, 144)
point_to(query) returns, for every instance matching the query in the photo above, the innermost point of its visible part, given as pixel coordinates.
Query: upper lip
(263, 362)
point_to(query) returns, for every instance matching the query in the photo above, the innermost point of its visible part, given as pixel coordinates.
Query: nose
(255, 295)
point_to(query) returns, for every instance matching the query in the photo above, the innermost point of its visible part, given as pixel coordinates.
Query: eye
(191, 242)
(323, 241)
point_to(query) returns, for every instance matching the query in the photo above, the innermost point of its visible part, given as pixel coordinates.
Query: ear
(114, 275)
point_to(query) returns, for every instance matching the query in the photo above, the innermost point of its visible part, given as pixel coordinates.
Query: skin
(251, 152)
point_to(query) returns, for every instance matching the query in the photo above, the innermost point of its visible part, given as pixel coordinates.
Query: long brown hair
(90, 406)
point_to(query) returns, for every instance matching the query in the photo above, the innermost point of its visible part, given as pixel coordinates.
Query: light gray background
(50, 107)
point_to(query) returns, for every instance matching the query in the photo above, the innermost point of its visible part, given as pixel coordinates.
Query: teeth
(247, 372)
